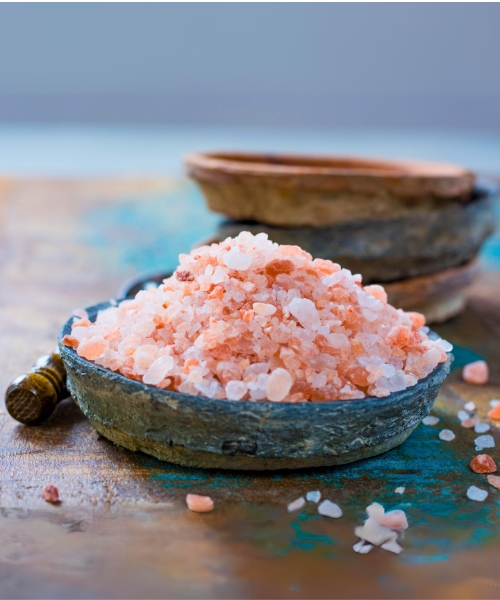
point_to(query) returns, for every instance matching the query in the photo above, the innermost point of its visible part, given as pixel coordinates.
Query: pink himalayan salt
(483, 463)
(50, 494)
(201, 504)
(494, 480)
(495, 412)
(248, 319)
(476, 372)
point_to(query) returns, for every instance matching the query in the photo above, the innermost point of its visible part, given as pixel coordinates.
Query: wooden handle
(32, 398)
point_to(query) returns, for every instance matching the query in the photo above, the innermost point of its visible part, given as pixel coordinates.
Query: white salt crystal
(481, 427)
(470, 407)
(475, 493)
(400, 490)
(446, 435)
(296, 504)
(264, 310)
(462, 415)
(494, 402)
(305, 312)
(362, 547)
(329, 509)
(234, 259)
(375, 533)
(278, 385)
(235, 390)
(158, 370)
(485, 441)
(445, 345)
(430, 420)
(392, 546)
(313, 496)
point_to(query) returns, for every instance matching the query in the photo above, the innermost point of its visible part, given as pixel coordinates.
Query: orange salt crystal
(70, 341)
(483, 464)
(494, 480)
(494, 412)
(476, 372)
(468, 423)
(50, 494)
(417, 319)
(201, 504)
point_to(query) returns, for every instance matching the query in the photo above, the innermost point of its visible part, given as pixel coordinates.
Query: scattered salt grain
(381, 528)
(470, 407)
(446, 435)
(483, 464)
(494, 480)
(494, 402)
(201, 504)
(485, 441)
(399, 490)
(495, 412)
(296, 504)
(392, 546)
(329, 509)
(50, 494)
(463, 415)
(476, 372)
(430, 420)
(247, 301)
(477, 494)
(313, 496)
(362, 547)
(469, 423)
(481, 427)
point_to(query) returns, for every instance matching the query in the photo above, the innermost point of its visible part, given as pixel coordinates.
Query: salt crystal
(470, 407)
(477, 494)
(235, 390)
(394, 519)
(305, 312)
(469, 423)
(50, 494)
(278, 385)
(296, 504)
(463, 415)
(158, 370)
(430, 420)
(263, 310)
(494, 403)
(446, 435)
(485, 441)
(362, 547)
(445, 345)
(201, 504)
(494, 413)
(481, 427)
(329, 509)
(236, 260)
(476, 372)
(483, 464)
(313, 496)
(375, 533)
(399, 490)
(494, 480)
(392, 546)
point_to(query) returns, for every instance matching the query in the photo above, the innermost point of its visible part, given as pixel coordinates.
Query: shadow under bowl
(194, 431)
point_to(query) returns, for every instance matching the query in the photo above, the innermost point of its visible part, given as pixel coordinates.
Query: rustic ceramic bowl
(193, 431)
(411, 245)
(317, 191)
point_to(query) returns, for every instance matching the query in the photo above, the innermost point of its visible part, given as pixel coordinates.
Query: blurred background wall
(336, 65)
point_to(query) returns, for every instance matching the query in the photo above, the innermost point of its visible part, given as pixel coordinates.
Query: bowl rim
(263, 164)
(221, 403)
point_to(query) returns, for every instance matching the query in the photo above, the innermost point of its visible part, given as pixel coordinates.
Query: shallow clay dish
(193, 431)
(316, 191)
(412, 245)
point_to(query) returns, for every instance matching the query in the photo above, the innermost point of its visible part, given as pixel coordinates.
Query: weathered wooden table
(123, 530)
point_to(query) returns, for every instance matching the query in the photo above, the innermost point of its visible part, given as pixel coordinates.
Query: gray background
(338, 65)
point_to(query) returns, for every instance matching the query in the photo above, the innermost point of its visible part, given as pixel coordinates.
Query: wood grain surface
(122, 529)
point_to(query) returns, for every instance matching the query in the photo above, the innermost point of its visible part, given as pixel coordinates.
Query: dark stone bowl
(193, 431)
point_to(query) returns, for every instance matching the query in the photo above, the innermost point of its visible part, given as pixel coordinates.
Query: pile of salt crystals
(248, 319)
(381, 529)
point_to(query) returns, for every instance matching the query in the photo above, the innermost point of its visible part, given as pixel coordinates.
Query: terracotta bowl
(194, 431)
(411, 245)
(317, 191)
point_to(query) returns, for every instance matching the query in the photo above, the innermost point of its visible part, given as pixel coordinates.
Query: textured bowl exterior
(412, 245)
(316, 191)
(200, 432)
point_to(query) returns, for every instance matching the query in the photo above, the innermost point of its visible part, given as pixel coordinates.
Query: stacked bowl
(414, 227)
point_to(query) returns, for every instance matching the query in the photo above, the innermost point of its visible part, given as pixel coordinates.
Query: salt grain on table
(476, 372)
(400, 490)
(481, 427)
(485, 441)
(483, 464)
(495, 412)
(362, 547)
(296, 504)
(430, 420)
(469, 423)
(470, 407)
(494, 402)
(494, 480)
(201, 504)
(477, 494)
(329, 509)
(313, 496)
(463, 415)
(446, 435)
